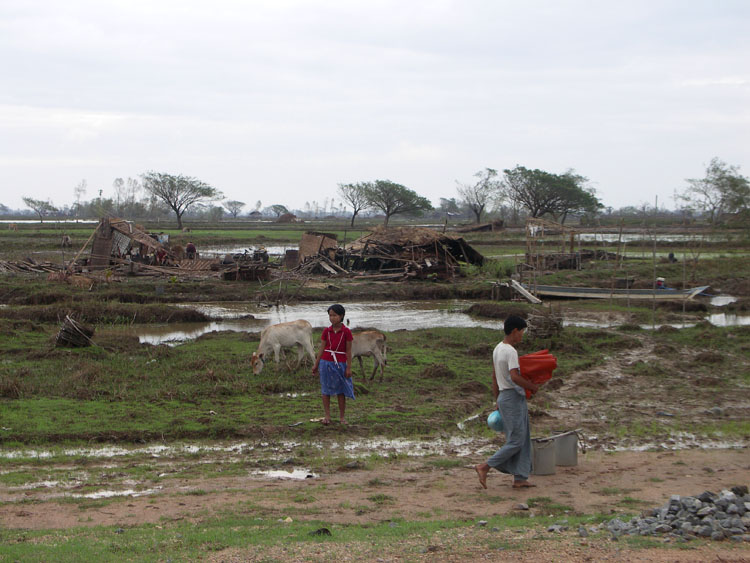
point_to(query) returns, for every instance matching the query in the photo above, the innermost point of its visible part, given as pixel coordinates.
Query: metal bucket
(543, 456)
(566, 448)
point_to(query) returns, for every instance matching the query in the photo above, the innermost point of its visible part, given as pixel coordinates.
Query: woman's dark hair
(513, 322)
(338, 309)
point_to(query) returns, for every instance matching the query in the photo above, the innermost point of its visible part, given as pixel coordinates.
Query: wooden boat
(607, 293)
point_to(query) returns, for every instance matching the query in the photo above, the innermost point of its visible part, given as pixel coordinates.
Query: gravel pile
(708, 515)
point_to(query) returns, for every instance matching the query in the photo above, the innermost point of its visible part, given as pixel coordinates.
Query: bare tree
(478, 195)
(79, 191)
(120, 192)
(355, 196)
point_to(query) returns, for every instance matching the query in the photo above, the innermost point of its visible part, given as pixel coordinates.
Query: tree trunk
(179, 221)
(352, 223)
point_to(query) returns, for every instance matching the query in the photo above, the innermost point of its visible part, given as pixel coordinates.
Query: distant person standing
(190, 251)
(508, 386)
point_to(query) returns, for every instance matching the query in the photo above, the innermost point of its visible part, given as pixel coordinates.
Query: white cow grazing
(274, 337)
(370, 343)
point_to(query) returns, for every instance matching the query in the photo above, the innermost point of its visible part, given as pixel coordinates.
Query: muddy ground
(613, 476)
(411, 489)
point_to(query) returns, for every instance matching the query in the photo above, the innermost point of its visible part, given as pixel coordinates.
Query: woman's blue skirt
(333, 381)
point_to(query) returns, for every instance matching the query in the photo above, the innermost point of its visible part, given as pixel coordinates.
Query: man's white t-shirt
(505, 358)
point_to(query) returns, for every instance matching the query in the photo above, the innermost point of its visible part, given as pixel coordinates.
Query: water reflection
(385, 315)
(275, 250)
(721, 300)
(645, 236)
(728, 319)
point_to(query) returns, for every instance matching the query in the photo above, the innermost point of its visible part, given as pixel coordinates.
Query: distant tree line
(513, 195)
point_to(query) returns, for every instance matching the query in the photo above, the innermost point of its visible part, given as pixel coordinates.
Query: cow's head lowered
(256, 362)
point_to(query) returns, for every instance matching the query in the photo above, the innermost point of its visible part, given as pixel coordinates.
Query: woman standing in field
(334, 362)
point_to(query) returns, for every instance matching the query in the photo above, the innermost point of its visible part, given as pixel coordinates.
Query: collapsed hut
(116, 239)
(120, 245)
(409, 251)
(319, 253)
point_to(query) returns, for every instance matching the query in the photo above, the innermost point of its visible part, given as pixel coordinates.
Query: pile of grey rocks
(708, 515)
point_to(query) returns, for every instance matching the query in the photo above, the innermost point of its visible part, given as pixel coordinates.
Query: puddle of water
(384, 315)
(679, 442)
(110, 494)
(51, 221)
(456, 445)
(299, 474)
(115, 451)
(728, 319)
(721, 300)
(42, 485)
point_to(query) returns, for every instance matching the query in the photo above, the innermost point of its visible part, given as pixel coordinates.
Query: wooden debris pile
(246, 271)
(403, 252)
(73, 334)
(29, 265)
(121, 247)
(319, 264)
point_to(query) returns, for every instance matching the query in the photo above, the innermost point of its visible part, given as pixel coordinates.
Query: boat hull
(604, 293)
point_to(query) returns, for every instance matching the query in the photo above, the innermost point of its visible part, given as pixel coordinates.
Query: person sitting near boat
(660, 283)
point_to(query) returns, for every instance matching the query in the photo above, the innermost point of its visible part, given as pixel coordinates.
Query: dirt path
(412, 489)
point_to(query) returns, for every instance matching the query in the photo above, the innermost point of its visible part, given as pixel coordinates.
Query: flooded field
(273, 250)
(385, 315)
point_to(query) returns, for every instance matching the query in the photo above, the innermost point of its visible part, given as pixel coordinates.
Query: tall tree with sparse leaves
(481, 193)
(40, 207)
(179, 193)
(394, 199)
(722, 190)
(355, 196)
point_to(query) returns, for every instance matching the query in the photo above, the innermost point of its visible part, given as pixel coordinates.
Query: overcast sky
(282, 100)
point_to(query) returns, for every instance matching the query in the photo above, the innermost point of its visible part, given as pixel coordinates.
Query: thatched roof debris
(417, 251)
